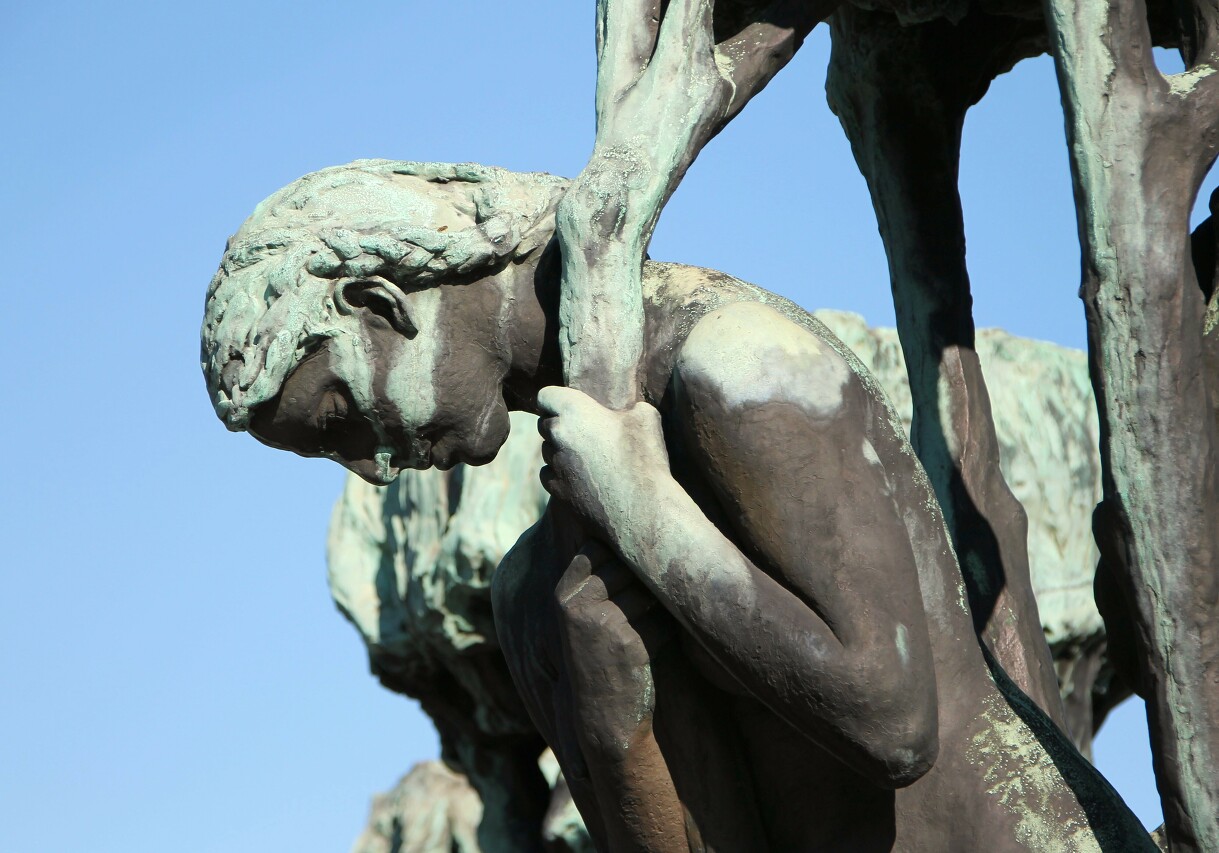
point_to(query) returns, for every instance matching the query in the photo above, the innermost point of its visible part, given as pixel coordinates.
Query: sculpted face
(418, 385)
(362, 313)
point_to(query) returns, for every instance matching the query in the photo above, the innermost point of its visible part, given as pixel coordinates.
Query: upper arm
(779, 423)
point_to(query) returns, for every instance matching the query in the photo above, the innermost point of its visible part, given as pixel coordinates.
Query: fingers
(593, 617)
(553, 401)
(551, 481)
(553, 484)
(656, 628)
(634, 601)
(597, 553)
(546, 429)
(614, 574)
(558, 400)
(596, 575)
(557, 403)
(594, 455)
(574, 580)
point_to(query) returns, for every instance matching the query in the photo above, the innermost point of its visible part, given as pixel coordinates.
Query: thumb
(574, 579)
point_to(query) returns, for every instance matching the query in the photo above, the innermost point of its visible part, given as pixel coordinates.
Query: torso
(994, 786)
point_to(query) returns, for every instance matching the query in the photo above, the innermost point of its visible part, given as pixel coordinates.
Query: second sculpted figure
(755, 637)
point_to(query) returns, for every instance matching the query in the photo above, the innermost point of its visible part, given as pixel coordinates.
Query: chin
(445, 461)
(478, 458)
(477, 449)
(445, 458)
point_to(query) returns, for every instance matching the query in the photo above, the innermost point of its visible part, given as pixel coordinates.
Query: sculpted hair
(272, 300)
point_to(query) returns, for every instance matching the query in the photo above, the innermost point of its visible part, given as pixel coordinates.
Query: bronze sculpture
(788, 449)
(349, 373)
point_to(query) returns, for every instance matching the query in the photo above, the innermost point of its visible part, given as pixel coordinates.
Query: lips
(420, 455)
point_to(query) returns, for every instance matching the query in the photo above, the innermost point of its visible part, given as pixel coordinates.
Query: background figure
(433, 808)
(410, 567)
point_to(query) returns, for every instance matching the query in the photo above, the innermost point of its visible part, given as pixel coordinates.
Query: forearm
(770, 640)
(840, 650)
(714, 591)
(636, 798)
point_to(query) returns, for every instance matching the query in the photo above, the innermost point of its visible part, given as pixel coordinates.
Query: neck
(675, 297)
(533, 329)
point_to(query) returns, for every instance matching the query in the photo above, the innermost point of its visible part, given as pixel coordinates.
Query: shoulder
(747, 354)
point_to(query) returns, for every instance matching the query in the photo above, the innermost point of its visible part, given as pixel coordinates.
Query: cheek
(468, 388)
(469, 379)
(412, 377)
(466, 370)
(493, 435)
(484, 417)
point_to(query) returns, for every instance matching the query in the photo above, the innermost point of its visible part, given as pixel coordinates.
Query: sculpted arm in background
(811, 600)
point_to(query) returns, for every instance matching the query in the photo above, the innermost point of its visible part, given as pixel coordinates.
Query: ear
(379, 297)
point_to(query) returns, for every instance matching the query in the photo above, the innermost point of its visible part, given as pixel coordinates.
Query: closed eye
(332, 410)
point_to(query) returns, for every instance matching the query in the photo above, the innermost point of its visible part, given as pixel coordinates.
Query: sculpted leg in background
(901, 91)
(1205, 250)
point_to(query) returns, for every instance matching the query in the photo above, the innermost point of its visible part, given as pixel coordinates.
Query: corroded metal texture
(410, 564)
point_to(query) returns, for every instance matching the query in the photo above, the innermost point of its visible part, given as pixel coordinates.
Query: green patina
(273, 299)
(1023, 779)
(650, 114)
(901, 641)
(1183, 84)
(1110, 101)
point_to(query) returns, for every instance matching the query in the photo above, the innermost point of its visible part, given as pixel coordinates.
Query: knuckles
(585, 444)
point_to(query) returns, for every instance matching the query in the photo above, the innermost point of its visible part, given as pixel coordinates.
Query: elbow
(901, 760)
(901, 739)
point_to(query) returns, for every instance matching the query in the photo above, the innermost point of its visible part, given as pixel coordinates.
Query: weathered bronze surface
(753, 615)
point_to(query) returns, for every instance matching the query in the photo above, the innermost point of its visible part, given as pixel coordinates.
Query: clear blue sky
(173, 674)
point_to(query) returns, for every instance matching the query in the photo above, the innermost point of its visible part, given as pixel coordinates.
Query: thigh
(527, 624)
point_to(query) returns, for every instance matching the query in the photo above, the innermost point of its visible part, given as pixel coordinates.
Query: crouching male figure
(759, 639)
